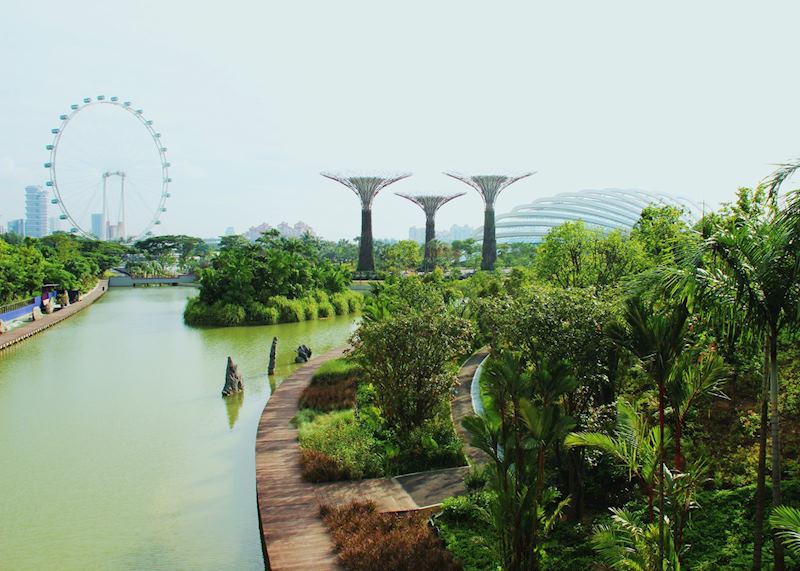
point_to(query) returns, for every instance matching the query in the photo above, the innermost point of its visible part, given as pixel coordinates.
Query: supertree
(489, 187)
(430, 203)
(366, 188)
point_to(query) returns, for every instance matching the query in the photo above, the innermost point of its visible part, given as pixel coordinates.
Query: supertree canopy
(430, 203)
(366, 188)
(489, 187)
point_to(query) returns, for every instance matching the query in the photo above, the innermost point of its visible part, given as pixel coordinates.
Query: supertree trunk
(489, 187)
(489, 252)
(430, 204)
(429, 263)
(366, 258)
(366, 188)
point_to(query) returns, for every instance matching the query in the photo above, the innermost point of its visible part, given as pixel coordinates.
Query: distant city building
(456, 232)
(35, 211)
(16, 226)
(97, 225)
(54, 224)
(299, 230)
(229, 231)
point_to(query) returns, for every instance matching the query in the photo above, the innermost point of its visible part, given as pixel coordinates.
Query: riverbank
(28, 330)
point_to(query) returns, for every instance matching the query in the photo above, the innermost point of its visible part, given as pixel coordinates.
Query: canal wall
(30, 329)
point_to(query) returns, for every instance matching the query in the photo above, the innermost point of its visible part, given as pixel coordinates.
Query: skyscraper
(54, 222)
(16, 226)
(35, 211)
(97, 226)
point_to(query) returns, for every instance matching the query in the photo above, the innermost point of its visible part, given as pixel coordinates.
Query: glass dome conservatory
(606, 209)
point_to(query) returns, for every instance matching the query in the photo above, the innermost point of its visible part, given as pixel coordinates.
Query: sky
(254, 99)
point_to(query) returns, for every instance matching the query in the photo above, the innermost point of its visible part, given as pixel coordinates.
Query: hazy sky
(255, 98)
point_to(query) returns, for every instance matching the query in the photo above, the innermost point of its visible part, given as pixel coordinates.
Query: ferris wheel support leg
(104, 224)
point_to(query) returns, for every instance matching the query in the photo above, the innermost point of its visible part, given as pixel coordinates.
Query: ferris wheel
(109, 172)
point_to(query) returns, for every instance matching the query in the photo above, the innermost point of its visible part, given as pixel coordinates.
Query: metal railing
(17, 305)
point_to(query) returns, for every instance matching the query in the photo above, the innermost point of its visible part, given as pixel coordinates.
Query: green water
(117, 450)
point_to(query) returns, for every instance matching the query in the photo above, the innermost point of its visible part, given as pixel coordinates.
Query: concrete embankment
(30, 329)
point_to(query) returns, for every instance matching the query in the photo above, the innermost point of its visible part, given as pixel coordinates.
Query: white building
(35, 211)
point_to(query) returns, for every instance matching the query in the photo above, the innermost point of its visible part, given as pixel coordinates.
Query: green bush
(310, 308)
(340, 436)
(333, 371)
(339, 303)
(260, 314)
(289, 310)
(466, 532)
(225, 314)
(321, 296)
(355, 301)
(326, 309)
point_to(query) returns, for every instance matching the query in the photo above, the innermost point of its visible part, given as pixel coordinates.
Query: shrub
(369, 541)
(289, 310)
(326, 309)
(335, 370)
(351, 445)
(319, 467)
(321, 296)
(339, 303)
(219, 313)
(328, 397)
(310, 308)
(258, 313)
(355, 301)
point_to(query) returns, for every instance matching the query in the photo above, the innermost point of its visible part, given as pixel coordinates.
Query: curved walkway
(292, 533)
(30, 329)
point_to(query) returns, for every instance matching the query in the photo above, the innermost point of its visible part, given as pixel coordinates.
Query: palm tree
(628, 544)
(690, 380)
(658, 339)
(526, 420)
(634, 444)
(757, 260)
(787, 521)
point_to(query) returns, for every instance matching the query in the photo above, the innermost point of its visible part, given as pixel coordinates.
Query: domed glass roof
(606, 209)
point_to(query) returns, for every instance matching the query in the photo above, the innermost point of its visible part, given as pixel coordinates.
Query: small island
(271, 280)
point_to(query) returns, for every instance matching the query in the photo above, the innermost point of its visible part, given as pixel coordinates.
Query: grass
(352, 448)
(370, 541)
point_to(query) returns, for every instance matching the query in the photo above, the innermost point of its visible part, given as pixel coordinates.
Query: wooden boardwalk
(292, 532)
(30, 329)
(293, 535)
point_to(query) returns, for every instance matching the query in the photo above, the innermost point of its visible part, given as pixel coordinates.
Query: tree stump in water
(272, 351)
(233, 379)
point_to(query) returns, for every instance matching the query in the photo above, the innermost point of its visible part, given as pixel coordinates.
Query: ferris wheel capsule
(54, 201)
(114, 98)
(48, 165)
(87, 100)
(49, 183)
(74, 106)
(62, 117)
(62, 217)
(73, 230)
(101, 97)
(49, 147)
(54, 131)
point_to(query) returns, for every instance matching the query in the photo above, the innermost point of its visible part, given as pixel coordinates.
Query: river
(117, 450)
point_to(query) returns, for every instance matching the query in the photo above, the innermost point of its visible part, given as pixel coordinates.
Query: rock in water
(233, 379)
(272, 350)
(36, 314)
(3, 327)
(303, 354)
(47, 305)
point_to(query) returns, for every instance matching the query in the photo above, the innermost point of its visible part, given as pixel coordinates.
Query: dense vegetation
(69, 261)
(273, 280)
(641, 397)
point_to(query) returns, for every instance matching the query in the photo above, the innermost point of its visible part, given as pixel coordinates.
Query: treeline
(272, 280)
(69, 261)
